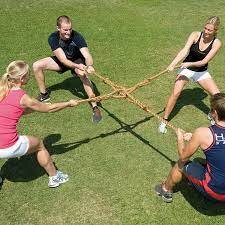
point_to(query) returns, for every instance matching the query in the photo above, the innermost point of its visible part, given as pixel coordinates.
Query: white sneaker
(162, 128)
(209, 117)
(59, 178)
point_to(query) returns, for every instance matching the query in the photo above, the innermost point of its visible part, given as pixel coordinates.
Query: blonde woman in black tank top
(199, 49)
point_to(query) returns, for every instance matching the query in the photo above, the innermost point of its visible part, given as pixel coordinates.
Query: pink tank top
(10, 113)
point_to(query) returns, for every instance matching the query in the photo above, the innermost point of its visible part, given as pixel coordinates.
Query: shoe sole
(46, 100)
(53, 186)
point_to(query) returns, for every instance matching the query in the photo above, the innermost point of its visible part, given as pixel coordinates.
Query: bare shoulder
(217, 42)
(202, 132)
(195, 35)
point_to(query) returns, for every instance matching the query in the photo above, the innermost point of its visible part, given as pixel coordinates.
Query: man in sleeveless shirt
(199, 49)
(208, 179)
(70, 52)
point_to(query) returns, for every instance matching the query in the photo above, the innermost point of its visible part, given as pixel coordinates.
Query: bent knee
(38, 65)
(40, 145)
(92, 96)
(214, 91)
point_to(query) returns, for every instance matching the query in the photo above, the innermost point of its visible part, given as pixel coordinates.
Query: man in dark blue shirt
(70, 52)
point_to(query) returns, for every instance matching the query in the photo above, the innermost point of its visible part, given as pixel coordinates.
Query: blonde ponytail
(4, 86)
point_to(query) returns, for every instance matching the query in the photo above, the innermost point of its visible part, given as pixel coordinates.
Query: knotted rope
(125, 93)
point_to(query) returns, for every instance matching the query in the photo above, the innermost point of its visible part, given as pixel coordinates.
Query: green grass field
(114, 165)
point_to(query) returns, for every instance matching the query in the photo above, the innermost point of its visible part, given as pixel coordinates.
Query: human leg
(43, 156)
(39, 67)
(88, 87)
(44, 159)
(89, 90)
(210, 86)
(165, 189)
(180, 82)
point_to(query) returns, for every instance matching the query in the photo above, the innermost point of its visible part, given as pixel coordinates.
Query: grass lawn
(113, 165)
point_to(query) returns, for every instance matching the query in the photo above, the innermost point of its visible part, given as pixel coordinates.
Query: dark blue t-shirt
(70, 47)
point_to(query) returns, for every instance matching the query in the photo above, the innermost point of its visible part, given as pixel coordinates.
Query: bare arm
(59, 53)
(215, 48)
(31, 104)
(184, 51)
(186, 151)
(88, 59)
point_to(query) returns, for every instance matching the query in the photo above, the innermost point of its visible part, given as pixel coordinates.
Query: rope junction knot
(125, 93)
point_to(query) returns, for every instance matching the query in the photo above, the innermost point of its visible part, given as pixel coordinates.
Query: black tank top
(196, 54)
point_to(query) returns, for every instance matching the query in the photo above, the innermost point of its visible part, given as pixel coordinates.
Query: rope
(99, 98)
(108, 81)
(148, 80)
(148, 110)
(111, 84)
(126, 93)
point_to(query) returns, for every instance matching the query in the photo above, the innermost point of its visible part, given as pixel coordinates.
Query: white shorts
(194, 76)
(20, 148)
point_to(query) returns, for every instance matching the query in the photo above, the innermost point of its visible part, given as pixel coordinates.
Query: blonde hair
(215, 21)
(14, 72)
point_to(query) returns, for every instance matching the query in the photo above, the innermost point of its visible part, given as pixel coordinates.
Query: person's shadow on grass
(197, 200)
(26, 168)
(193, 97)
(75, 86)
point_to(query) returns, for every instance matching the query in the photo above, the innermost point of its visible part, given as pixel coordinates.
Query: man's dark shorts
(64, 68)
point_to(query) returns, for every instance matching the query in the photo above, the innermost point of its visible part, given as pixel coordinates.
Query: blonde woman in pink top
(14, 102)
